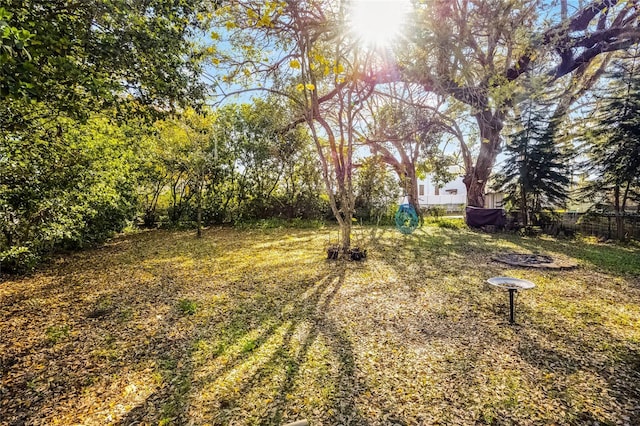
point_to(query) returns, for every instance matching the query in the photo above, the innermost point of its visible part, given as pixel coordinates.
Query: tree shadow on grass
(348, 385)
(556, 350)
(283, 364)
(290, 356)
(574, 341)
(64, 350)
(267, 327)
(140, 331)
(469, 314)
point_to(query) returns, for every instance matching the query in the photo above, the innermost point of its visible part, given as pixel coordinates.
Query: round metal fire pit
(513, 285)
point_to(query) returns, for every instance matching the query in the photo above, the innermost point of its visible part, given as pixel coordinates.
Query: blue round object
(406, 219)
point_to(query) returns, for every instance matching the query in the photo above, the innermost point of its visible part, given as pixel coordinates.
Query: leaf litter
(245, 327)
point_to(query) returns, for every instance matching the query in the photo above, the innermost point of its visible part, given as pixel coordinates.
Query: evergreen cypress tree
(615, 141)
(536, 170)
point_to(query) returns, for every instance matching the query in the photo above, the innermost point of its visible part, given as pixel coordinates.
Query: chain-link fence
(598, 224)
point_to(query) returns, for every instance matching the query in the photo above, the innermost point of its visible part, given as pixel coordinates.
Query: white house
(452, 195)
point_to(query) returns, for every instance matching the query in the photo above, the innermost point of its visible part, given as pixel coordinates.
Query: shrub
(447, 223)
(277, 223)
(435, 211)
(17, 260)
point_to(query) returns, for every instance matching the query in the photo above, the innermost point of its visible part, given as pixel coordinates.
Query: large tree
(615, 141)
(302, 52)
(406, 130)
(475, 53)
(536, 170)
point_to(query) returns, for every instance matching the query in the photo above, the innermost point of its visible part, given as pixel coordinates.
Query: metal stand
(513, 285)
(512, 319)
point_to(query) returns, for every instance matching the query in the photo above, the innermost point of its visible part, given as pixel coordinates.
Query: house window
(421, 190)
(452, 191)
(437, 191)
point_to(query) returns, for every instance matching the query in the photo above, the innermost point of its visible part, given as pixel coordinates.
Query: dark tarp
(477, 217)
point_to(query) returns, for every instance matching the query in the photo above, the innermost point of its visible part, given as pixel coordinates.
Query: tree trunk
(620, 205)
(345, 234)
(616, 210)
(475, 190)
(411, 182)
(199, 212)
(524, 208)
(620, 226)
(8, 237)
(490, 125)
(344, 212)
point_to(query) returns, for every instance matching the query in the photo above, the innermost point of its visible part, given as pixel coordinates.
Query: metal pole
(511, 313)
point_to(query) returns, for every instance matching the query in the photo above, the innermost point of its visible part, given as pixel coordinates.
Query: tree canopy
(475, 53)
(75, 57)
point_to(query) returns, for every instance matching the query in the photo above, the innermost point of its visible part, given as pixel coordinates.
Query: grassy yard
(248, 327)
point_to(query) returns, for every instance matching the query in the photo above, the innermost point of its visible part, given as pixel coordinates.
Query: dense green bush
(71, 185)
(17, 259)
(230, 166)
